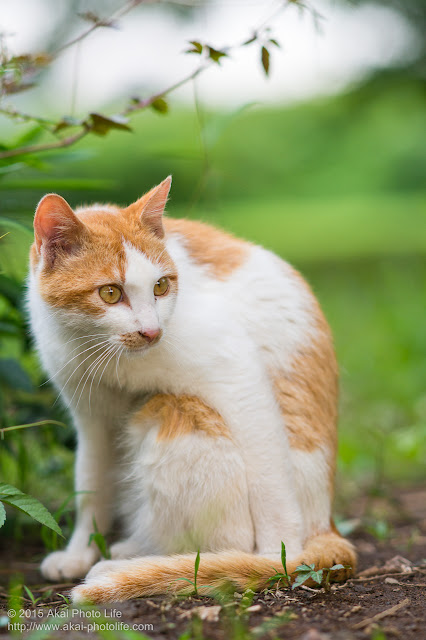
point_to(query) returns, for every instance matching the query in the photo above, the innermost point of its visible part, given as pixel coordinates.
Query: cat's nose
(150, 334)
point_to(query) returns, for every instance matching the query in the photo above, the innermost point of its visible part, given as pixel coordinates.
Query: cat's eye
(110, 293)
(161, 287)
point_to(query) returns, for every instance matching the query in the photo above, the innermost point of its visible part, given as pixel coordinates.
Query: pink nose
(150, 334)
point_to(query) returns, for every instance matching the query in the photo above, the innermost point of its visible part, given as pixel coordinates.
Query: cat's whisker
(68, 361)
(91, 372)
(89, 368)
(103, 371)
(116, 366)
(112, 349)
(100, 346)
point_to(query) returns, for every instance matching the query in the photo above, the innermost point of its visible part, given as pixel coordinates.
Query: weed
(194, 582)
(282, 577)
(305, 572)
(31, 596)
(99, 539)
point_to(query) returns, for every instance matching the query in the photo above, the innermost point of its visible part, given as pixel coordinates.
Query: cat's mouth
(139, 341)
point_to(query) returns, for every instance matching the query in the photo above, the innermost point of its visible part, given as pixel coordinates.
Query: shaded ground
(386, 600)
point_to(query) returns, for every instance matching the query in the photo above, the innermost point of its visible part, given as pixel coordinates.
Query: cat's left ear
(151, 206)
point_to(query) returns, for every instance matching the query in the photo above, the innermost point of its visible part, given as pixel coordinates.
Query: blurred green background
(334, 184)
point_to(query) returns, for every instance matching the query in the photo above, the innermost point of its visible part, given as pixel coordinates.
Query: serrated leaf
(14, 376)
(2, 514)
(27, 504)
(160, 105)
(216, 55)
(265, 60)
(101, 125)
(303, 568)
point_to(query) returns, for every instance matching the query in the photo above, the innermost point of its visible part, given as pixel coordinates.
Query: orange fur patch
(99, 258)
(212, 248)
(146, 577)
(182, 415)
(308, 392)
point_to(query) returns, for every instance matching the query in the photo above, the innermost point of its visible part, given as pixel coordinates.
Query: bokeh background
(322, 160)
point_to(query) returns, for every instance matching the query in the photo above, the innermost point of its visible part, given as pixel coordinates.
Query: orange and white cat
(201, 378)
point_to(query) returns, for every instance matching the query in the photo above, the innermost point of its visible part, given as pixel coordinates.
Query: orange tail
(125, 579)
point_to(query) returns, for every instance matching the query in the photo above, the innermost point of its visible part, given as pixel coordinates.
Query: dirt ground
(386, 600)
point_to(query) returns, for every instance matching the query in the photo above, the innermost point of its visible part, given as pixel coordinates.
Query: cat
(201, 378)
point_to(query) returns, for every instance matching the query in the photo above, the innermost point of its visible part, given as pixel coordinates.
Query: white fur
(219, 341)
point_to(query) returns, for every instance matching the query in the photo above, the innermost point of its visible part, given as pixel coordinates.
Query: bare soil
(386, 600)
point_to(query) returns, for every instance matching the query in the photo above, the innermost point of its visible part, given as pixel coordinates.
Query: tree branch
(87, 126)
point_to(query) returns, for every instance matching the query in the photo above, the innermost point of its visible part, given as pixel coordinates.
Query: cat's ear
(150, 207)
(55, 225)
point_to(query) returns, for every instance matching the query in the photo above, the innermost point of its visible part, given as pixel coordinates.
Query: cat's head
(106, 270)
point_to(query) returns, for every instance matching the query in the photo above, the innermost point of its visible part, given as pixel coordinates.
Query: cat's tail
(124, 579)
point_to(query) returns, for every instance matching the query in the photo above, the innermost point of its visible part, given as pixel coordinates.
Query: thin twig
(101, 23)
(49, 146)
(86, 126)
(383, 614)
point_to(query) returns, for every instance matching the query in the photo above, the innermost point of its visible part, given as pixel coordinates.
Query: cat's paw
(68, 565)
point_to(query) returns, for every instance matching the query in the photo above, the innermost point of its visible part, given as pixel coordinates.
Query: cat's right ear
(55, 226)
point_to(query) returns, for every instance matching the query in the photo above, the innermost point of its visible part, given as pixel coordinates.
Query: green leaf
(274, 42)
(216, 54)
(305, 568)
(14, 376)
(160, 105)
(197, 47)
(101, 125)
(2, 514)
(197, 564)
(100, 542)
(27, 504)
(336, 566)
(300, 579)
(250, 40)
(66, 122)
(187, 580)
(265, 60)
(317, 576)
(14, 249)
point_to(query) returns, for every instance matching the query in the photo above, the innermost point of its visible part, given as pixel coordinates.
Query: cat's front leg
(94, 483)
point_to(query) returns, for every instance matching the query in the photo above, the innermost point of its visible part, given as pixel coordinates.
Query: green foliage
(98, 538)
(27, 504)
(194, 582)
(306, 572)
(284, 578)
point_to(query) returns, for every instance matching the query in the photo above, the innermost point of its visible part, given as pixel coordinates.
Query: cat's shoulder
(218, 251)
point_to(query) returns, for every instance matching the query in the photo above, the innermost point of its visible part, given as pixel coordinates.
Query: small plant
(321, 577)
(282, 577)
(32, 597)
(99, 539)
(194, 582)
